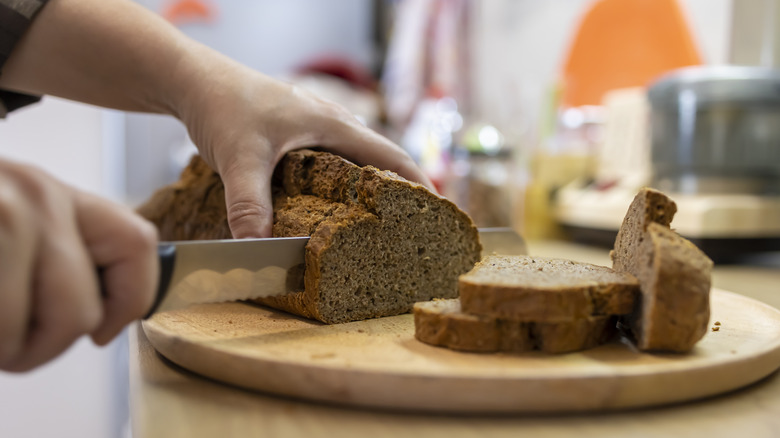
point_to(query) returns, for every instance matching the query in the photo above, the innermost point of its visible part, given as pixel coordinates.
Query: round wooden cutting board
(378, 362)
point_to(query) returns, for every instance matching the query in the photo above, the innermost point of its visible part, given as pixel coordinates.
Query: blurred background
(543, 116)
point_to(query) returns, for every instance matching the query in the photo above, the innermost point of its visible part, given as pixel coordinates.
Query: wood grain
(378, 363)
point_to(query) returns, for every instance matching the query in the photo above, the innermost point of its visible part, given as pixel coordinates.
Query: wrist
(210, 93)
(198, 76)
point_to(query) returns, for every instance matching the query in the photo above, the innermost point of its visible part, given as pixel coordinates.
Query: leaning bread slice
(648, 206)
(541, 289)
(442, 323)
(675, 278)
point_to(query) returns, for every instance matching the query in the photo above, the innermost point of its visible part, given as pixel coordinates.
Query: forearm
(111, 53)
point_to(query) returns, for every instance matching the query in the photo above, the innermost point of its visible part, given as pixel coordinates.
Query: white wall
(80, 394)
(59, 136)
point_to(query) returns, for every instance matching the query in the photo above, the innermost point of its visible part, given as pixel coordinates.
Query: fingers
(364, 146)
(243, 131)
(125, 246)
(51, 240)
(248, 198)
(248, 181)
(52, 285)
(66, 298)
(16, 253)
(341, 133)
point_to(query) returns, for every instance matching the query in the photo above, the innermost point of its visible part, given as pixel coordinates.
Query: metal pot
(716, 130)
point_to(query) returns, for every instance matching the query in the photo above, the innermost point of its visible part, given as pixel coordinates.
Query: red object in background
(341, 68)
(625, 43)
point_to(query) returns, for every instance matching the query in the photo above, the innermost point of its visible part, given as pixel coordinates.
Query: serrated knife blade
(212, 271)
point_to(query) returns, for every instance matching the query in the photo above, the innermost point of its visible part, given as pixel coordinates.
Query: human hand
(244, 122)
(52, 237)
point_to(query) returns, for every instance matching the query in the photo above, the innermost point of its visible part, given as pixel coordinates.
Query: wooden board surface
(378, 362)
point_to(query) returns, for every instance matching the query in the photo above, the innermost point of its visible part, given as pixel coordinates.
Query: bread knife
(213, 271)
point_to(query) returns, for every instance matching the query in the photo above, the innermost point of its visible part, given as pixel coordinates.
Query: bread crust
(674, 276)
(590, 291)
(192, 208)
(443, 323)
(674, 311)
(648, 206)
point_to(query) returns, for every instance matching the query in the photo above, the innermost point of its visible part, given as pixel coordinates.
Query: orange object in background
(189, 11)
(625, 43)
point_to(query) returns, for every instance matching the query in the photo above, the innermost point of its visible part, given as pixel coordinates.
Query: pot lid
(716, 84)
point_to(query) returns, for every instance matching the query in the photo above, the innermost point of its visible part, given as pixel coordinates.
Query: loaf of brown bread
(540, 289)
(674, 276)
(443, 323)
(379, 243)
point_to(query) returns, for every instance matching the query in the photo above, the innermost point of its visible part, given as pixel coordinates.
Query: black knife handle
(167, 253)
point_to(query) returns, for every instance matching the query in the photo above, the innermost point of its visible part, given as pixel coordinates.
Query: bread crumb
(715, 329)
(717, 322)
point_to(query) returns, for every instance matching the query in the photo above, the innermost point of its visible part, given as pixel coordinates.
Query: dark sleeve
(15, 18)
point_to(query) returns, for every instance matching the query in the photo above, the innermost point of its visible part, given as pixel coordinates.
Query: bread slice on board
(540, 289)
(443, 323)
(648, 206)
(379, 243)
(674, 276)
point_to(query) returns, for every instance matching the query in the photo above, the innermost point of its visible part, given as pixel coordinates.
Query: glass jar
(479, 177)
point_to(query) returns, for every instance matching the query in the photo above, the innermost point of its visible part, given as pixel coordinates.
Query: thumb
(248, 199)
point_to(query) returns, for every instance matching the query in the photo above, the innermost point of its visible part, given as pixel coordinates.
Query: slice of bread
(540, 289)
(443, 323)
(674, 276)
(379, 243)
(648, 206)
